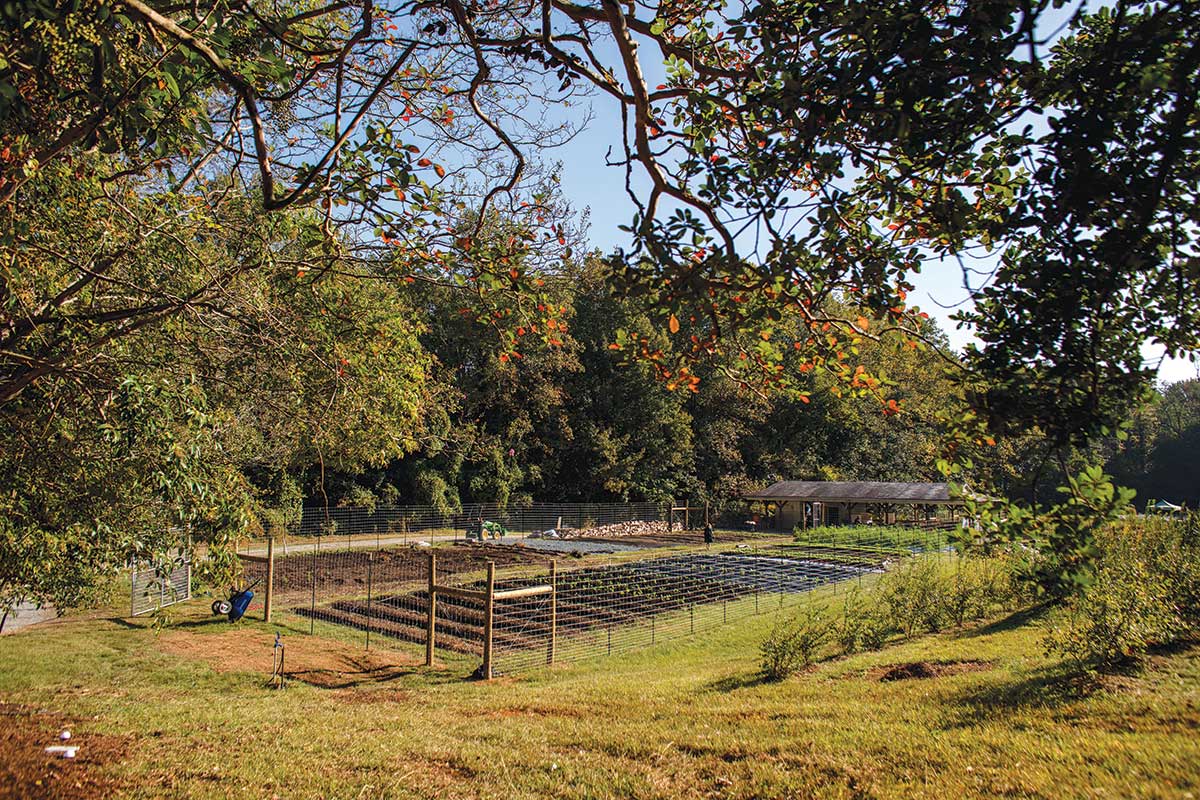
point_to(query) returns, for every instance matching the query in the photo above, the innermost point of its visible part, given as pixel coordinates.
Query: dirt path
(23, 615)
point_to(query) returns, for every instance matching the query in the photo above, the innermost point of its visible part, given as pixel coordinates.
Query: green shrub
(915, 596)
(924, 594)
(885, 537)
(1144, 591)
(865, 623)
(793, 644)
(978, 587)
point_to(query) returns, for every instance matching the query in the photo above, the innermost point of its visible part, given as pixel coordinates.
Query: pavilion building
(788, 504)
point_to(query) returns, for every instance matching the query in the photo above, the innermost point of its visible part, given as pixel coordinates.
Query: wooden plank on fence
(270, 589)
(252, 559)
(528, 591)
(462, 594)
(553, 610)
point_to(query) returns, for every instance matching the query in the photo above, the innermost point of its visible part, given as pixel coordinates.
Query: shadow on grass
(361, 673)
(1177, 647)
(1044, 688)
(1017, 619)
(208, 623)
(734, 682)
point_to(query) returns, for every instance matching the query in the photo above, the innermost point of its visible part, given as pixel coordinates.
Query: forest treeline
(581, 421)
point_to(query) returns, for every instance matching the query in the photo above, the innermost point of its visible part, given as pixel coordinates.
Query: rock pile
(635, 528)
(616, 530)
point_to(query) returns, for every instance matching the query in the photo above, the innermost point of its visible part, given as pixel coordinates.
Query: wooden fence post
(312, 610)
(370, 565)
(270, 591)
(489, 607)
(553, 611)
(431, 617)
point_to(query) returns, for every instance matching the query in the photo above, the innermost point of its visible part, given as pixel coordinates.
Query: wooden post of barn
(431, 615)
(707, 519)
(553, 612)
(270, 590)
(489, 607)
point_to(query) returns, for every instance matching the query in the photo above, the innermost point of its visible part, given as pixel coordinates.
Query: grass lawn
(186, 713)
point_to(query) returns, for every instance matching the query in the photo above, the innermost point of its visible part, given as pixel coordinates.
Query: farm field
(186, 712)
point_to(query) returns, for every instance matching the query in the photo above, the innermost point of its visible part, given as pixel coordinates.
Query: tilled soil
(342, 572)
(28, 771)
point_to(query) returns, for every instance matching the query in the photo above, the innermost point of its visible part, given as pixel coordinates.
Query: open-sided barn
(817, 503)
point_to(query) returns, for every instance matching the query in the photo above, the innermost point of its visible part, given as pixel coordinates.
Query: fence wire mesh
(602, 604)
(606, 609)
(401, 525)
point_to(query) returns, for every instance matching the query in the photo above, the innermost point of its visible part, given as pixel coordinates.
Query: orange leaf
(673, 324)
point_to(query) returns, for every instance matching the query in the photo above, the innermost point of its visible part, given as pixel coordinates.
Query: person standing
(708, 533)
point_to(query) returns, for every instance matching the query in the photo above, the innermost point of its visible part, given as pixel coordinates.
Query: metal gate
(154, 586)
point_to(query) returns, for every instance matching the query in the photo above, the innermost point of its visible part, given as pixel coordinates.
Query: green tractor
(481, 529)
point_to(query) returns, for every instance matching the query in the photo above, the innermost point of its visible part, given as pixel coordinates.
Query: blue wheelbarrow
(235, 607)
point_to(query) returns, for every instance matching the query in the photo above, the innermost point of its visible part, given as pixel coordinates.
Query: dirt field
(27, 771)
(317, 661)
(346, 572)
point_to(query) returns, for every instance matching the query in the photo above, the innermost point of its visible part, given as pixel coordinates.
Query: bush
(979, 586)
(865, 623)
(885, 537)
(1145, 591)
(792, 645)
(925, 594)
(915, 596)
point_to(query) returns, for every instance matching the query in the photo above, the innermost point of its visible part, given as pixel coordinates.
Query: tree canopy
(242, 239)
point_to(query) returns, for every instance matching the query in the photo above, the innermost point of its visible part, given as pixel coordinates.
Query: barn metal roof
(855, 492)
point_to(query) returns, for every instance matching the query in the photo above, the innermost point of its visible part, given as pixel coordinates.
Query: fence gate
(154, 586)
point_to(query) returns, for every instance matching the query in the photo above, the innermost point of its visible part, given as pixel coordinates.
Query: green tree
(161, 349)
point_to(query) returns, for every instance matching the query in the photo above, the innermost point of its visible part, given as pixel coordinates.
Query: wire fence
(367, 527)
(600, 610)
(545, 605)
(384, 593)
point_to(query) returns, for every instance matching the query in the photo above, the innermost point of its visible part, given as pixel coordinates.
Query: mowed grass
(690, 719)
